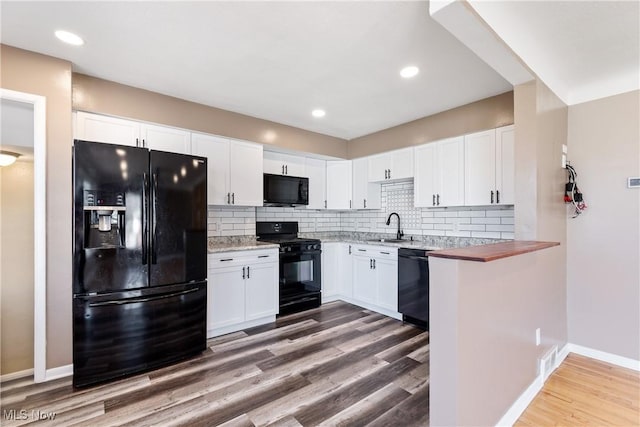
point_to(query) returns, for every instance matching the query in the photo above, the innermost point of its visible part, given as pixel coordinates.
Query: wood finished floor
(336, 365)
(586, 392)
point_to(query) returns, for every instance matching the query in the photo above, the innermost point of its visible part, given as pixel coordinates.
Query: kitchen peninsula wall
(481, 222)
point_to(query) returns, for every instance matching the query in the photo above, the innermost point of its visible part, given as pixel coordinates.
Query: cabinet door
(378, 167)
(261, 290)
(479, 167)
(225, 297)
(330, 270)
(366, 195)
(216, 150)
(284, 164)
(505, 174)
(386, 271)
(245, 174)
(317, 172)
(364, 279)
(94, 127)
(339, 184)
(450, 172)
(425, 188)
(166, 139)
(345, 270)
(401, 164)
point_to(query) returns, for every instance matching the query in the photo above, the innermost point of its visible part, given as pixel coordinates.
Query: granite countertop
(411, 244)
(216, 245)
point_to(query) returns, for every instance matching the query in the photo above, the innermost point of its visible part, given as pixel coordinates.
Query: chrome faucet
(399, 234)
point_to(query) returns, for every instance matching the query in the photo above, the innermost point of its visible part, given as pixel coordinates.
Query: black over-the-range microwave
(282, 190)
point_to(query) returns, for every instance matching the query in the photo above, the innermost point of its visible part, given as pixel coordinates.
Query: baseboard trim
(16, 375)
(521, 403)
(603, 356)
(59, 372)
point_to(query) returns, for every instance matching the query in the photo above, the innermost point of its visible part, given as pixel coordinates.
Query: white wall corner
(461, 20)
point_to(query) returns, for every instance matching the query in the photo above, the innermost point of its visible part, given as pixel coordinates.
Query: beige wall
(482, 321)
(16, 267)
(28, 72)
(105, 97)
(484, 315)
(604, 242)
(481, 115)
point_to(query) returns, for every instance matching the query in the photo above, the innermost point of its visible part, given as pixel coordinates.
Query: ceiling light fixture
(70, 38)
(318, 113)
(8, 158)
(410, 71)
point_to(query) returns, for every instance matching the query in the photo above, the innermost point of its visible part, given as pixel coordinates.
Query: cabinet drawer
(233, 258)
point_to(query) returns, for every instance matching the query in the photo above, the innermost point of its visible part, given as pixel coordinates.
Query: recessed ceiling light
(318, 113)
(7, 158)
(410, 71)
(70, 38)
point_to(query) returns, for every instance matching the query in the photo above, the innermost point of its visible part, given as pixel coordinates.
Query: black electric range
(300, 265)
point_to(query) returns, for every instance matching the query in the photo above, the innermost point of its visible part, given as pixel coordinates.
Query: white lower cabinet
(375, 278)
(242, 290)
(330, 274)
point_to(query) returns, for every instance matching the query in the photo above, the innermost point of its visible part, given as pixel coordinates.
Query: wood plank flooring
(586, 392)
(337, 365)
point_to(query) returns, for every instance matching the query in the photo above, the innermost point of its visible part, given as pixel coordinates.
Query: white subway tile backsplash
(484, 222)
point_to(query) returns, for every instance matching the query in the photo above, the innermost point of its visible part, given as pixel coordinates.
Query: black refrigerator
(139, 261)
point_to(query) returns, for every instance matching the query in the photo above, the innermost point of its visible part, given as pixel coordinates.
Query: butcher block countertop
(492, 252)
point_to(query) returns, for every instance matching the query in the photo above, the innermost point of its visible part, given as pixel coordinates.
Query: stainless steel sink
(388, 240)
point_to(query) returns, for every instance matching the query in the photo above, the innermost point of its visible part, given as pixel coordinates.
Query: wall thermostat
(633, 182)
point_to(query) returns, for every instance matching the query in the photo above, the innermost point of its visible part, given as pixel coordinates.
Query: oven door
(300, 275)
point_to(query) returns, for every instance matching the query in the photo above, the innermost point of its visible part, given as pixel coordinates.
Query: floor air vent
(548, 362)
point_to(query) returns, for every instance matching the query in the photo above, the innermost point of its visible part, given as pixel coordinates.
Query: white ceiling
(280, 60)
(582, 50)
(272, 60)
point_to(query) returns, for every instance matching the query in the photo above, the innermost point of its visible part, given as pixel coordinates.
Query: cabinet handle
(374, 264)
(386, 253)
(325, 204)
(248, 272)
(243, 270)
(282, 169)
(137, 142)
(434, 199)
(233, 198)
(226, 259)
(491, 196)
(286, 169)
(361, 250)
(349, 204)
(370, 263)
(349, 249)
(438, 200)
(144, 144)
(497, 196)
(389, 178)
(365, 203)
(228, 198)
(263, 256)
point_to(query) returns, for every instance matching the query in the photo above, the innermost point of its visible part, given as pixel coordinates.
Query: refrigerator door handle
(145, 218)
(154, 232)
(146, 299)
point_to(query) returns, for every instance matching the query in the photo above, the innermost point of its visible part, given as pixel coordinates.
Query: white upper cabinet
(366, 195)
(284, 164)
(339, 189)
(165, 139)
(317, 172)
(98, 128)
(234, 170)
(439, 173)
(488, 163)
(397, 164)
(505, 161)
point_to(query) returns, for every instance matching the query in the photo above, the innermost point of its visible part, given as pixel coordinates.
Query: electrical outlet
(538, 337)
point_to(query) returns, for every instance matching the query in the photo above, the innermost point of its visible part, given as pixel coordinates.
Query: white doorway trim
(39, 227)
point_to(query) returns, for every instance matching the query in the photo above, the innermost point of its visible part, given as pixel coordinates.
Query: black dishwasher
(413, 286)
